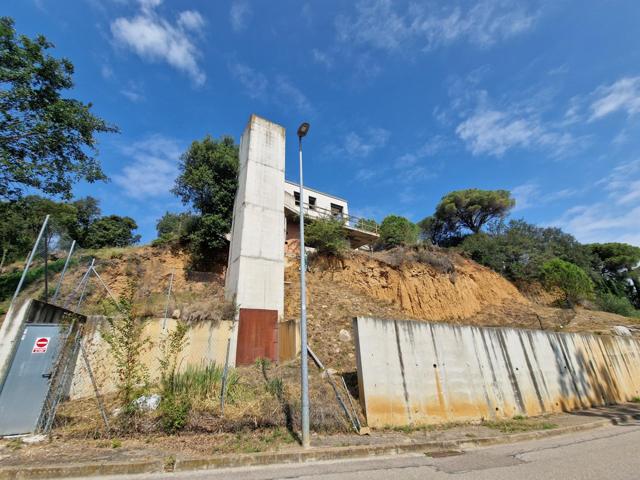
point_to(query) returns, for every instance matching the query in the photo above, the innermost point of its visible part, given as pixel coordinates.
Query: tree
(327, 235)
(436, 231)
(208, 182)
(619, 264)
(368, 224)
(519, 249)
(171, 226)
(568, 277)
(396, 230)
(473, 208)
(112, 231)
(87, 212)
(47, 142)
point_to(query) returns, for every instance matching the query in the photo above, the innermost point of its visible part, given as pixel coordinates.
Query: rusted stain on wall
(257, 335)
(418, 372)
(288, 340)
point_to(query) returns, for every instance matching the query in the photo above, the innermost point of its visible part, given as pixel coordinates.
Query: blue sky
(407, 100)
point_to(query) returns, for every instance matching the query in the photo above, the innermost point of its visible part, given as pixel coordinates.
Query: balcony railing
(313, 211)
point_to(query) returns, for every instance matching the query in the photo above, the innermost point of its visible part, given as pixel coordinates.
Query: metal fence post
(223, 389)
(64, 271)
(166, 307)
(28, 264)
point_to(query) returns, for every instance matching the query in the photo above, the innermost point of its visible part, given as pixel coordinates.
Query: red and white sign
(40, 345)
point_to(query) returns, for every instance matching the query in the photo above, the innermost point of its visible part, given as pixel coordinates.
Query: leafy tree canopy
(112, 231)
(613, 258)
(208, 182)
(568, 277)
(172, 226)
(327, 235)
(396, 230)
(87, 211)
(473, 208)
(47, 142)
(519, 249)
(436, 231)
(368, 224)
(78, 220)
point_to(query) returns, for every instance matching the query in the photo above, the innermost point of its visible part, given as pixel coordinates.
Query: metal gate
(29, 379)
(257, 335)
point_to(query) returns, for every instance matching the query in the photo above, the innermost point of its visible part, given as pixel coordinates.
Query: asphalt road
(611, 453)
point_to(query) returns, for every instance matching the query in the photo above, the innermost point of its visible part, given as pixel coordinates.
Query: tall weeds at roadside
(174, 406)
(124, 335)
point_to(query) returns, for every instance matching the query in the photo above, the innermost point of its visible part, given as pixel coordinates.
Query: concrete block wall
(417, 372)
(255, 273)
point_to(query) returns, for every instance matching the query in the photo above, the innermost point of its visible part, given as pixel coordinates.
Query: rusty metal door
(257, 335)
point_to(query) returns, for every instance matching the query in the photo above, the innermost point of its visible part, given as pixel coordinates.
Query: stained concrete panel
(417, 372)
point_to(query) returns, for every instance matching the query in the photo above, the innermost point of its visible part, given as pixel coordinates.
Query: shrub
(568, 277)
(327, 235)
(396, 231)
(174, 406)
(126, 344)
(438, 261)
(175, 412)
(610, 302)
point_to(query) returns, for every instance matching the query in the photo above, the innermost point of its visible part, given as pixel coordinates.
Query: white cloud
(239, 15)
(529, 195)
(191, 20)
(525, 196)
(493, 132)
(428, 149)
(622, 95)
(153, 167)
(106, 71)
(154, 38)
(280, 91)
(615, 218)
(254, 83)
(322, 58)
(362, 145)
(287, 94)
(379, 24)
(133, 92)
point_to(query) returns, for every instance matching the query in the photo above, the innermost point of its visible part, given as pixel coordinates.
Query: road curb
(267, 458)
(361, 451)
(82, 470)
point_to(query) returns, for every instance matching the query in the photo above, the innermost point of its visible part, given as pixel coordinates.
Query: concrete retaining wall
(207, 343)
(416, 372)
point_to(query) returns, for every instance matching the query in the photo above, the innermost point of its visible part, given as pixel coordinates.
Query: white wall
(412, 372)
(323, 200)
(255, 273)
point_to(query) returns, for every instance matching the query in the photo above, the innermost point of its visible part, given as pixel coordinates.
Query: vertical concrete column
(255, 272)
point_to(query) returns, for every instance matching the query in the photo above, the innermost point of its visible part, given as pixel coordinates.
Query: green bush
(568, 277)
(327, 235)
(397, 231)
(175, 412)
(610, 302)
(9, 281)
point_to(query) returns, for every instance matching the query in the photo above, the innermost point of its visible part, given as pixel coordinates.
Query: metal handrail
(350, 221)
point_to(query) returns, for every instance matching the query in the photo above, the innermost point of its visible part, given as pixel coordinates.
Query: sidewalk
(57, 459)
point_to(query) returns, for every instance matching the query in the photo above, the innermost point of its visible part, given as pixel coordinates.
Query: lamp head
(303, 129)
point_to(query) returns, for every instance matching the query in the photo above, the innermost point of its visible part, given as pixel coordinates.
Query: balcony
(359, 231)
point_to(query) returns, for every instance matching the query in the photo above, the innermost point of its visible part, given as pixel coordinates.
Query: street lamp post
(304, 368)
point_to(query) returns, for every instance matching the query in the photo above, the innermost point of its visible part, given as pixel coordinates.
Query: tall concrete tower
(255, 272)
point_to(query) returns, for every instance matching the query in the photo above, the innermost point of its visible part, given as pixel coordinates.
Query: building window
(312, 203)
(296, 196)
(336, 211)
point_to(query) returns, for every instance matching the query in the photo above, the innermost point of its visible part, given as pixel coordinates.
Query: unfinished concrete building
(264, 219)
